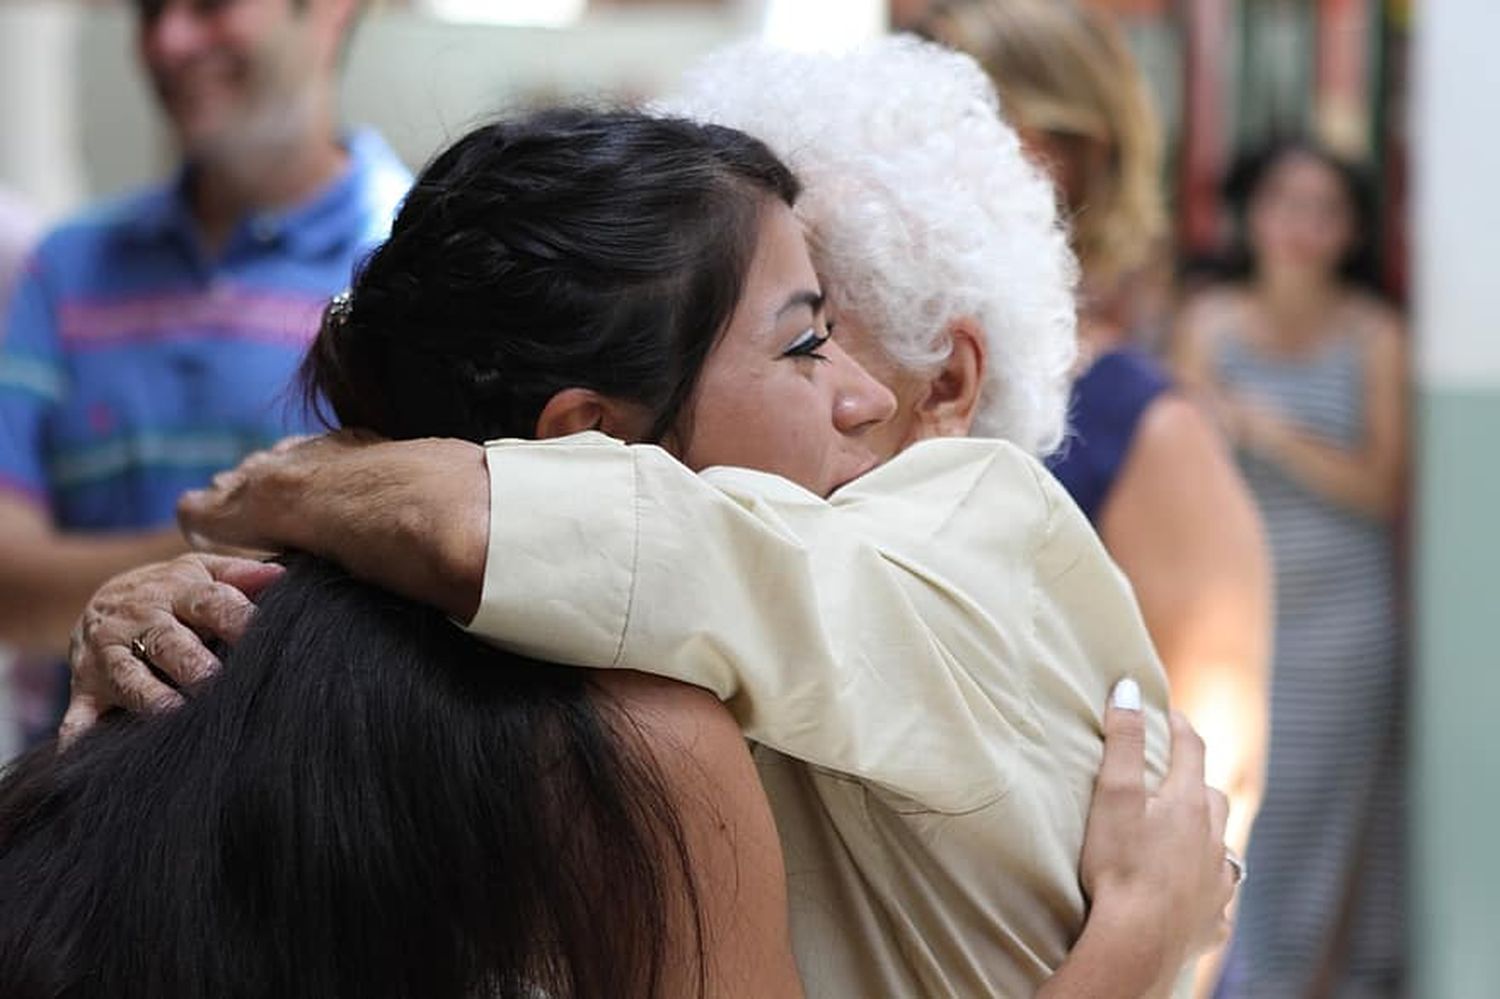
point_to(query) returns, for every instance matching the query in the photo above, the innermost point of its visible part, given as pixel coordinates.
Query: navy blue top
(1105, 411)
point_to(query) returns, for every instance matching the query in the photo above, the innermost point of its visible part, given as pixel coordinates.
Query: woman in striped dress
(1306, 371)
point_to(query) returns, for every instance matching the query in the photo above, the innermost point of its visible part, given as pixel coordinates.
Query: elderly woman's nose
(862, 400)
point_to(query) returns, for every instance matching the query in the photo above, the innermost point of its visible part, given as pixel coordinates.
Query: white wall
(1455, 788)
(1457, 253)
(39, 104)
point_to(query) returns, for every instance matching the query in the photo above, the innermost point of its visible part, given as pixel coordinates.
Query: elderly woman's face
(777, 394)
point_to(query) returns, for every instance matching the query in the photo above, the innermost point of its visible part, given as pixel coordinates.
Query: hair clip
(339, 307)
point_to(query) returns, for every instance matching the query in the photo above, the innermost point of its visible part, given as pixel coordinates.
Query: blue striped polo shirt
(133, 366)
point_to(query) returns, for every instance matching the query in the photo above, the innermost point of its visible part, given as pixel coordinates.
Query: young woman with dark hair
(1356, 265)
(369, 802)
(556, 276)
(1305, 365)
(617, 244)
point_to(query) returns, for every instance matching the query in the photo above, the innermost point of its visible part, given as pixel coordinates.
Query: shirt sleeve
(31, 384)
(819, 623)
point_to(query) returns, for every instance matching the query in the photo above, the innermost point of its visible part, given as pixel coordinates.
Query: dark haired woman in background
(286, 874)
(1306, 367)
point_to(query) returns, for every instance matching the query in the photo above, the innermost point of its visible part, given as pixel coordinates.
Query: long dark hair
(572, 248)
(366, 802)
(1359, 266)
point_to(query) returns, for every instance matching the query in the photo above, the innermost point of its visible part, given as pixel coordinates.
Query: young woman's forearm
(1118, 957)
(1351, 480)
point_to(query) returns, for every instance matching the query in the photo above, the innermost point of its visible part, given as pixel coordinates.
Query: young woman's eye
(809, 343)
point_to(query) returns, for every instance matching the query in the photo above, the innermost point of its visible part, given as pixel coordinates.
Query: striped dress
(1325, 853)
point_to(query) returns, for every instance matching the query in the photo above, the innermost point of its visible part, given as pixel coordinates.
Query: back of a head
(921, 210)
(366, 802)
(566, 248)
(1063, 67)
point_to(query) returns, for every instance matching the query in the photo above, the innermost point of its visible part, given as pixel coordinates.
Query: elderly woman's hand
(410, 516)
(158, 616)
(260, 504)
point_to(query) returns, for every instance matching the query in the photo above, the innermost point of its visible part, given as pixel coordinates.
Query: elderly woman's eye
(809, 343)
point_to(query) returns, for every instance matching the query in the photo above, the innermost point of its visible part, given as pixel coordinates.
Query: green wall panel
(1456, 772)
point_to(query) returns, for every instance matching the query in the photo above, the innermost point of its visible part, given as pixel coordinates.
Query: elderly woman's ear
(952, 398)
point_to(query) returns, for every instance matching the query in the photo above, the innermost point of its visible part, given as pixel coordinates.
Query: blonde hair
(1062, 67)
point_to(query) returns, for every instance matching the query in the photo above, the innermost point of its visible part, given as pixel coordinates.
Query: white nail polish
(1127, 695)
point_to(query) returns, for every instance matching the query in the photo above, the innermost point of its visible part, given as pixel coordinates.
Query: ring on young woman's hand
(1236, 864)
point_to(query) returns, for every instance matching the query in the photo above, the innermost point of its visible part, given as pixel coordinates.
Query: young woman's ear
(574, 410)
(952, 399)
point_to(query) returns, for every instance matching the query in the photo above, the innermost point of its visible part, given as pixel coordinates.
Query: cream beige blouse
(923, 660)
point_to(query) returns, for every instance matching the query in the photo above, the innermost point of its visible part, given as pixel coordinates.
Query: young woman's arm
(1154, 867)
(735, 855)
(1368, 477)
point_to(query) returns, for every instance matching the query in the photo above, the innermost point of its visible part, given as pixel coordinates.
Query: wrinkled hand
(1156, 862)
(170, 608)
(257, 505)
(411, 516)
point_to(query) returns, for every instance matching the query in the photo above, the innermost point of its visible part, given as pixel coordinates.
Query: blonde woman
(1141, 460)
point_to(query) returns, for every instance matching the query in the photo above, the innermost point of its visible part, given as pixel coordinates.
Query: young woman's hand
(157, 616)
(1154, 865)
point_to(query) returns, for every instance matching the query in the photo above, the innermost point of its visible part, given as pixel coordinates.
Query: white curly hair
(921, 211)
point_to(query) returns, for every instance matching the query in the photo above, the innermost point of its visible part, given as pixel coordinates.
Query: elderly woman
(919, 641)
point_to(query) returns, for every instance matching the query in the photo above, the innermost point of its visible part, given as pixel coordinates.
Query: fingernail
(1126, 696)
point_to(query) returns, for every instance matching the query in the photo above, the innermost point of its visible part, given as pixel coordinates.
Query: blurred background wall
(80, 123)
(1457, 539)
(1227, 75)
